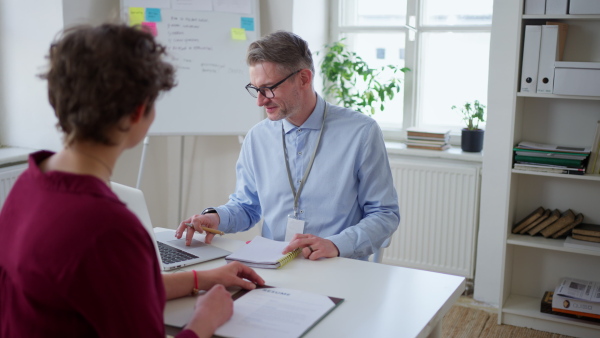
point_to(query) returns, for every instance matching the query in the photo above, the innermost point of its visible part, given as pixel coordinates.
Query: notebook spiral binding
(288, 257)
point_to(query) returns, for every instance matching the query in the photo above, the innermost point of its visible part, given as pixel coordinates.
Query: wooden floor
(469, 318)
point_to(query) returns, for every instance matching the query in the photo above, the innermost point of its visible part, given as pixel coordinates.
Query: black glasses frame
(267, 91)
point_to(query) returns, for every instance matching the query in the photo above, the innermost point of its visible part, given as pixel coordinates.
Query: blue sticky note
(247, 24)
(153, 15)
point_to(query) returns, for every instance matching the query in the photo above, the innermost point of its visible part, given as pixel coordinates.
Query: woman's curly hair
(100, 74)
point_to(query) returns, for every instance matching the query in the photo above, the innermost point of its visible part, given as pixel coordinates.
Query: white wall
(26, 30)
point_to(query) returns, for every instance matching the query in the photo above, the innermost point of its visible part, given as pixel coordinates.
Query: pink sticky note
(151, 27)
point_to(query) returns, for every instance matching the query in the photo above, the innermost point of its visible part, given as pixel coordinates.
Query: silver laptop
(172, 253)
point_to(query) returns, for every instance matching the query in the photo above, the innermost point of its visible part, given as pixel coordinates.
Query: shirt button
(301, 211)
(299, 130)
(299, 153)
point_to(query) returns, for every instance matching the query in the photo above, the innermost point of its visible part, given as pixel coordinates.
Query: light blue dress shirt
(348, 198)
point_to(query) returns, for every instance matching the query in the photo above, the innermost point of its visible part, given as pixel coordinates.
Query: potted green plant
(472, 136)
(349, 80)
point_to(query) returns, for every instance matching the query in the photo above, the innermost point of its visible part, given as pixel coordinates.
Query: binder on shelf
(548, 56)
(531, 57)
(563, 29)
(557, 6)
(535, 7)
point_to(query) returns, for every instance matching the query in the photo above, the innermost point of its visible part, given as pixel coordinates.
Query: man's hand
(211, 220)
(232, 274)
(313, 247)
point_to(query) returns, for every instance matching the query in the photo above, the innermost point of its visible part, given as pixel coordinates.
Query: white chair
(378, 254)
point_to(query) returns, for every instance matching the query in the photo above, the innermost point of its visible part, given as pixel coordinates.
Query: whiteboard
(210, 98)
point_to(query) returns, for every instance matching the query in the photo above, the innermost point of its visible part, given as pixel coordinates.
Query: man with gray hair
(317, 174)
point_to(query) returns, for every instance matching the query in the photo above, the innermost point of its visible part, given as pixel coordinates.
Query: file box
(584, 7)
(577, 78)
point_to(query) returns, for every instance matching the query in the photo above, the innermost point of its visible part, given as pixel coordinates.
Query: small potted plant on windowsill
(472, 136)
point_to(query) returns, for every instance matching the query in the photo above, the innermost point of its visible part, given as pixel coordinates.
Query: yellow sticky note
(136, 15)
(238, 34)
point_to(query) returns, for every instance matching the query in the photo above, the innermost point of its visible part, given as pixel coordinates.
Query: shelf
(547, 244)
(555, 96)
(567, 176)
(530, 307)
(562, 16)
(540, 117)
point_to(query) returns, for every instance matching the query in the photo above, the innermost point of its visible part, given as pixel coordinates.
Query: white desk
(379, 300)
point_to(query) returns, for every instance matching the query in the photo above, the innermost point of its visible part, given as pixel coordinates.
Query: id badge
(294, 226)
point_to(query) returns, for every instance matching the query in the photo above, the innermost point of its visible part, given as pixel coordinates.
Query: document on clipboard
(276, 312)
(263, 312)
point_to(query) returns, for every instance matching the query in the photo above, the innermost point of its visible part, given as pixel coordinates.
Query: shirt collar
(314, 121)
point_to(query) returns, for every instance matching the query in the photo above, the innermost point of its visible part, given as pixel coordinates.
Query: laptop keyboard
(169, 254)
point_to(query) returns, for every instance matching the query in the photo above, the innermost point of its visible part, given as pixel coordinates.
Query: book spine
(586, 232)
(552, 171)
(423, 134)
(444, 147)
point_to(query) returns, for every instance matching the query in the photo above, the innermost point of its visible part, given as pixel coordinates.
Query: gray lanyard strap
(312, 159)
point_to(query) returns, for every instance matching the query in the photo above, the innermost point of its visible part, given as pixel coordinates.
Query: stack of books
(587, 232)
(432, 139)
(551, 158)
(548, 223)
(574, 298)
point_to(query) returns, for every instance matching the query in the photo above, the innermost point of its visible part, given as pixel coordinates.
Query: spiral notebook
(263, 253)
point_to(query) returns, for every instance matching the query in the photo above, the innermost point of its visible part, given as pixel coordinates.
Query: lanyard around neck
(312, 159)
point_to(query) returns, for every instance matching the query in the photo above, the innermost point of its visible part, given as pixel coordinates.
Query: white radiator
(439, 208)
(8, 176)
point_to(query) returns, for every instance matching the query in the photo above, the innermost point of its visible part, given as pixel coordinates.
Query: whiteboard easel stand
(141, 172)
(142, 160)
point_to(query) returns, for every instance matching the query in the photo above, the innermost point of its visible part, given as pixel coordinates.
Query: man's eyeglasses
(267, 91)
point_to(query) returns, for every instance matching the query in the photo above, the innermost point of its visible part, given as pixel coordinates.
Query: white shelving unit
(532, 265)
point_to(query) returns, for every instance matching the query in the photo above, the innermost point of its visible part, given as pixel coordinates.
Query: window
(444, 43)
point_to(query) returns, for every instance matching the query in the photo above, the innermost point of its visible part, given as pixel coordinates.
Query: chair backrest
(377, 256)
(135, 201)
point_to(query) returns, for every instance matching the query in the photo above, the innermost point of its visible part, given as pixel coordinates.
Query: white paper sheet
(260, 252)
(275, 312)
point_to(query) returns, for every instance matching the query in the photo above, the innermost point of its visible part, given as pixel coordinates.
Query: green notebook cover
(551, 153)
(554, 161)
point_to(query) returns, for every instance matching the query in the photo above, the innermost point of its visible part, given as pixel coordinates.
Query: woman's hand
(212, 310)
(232, 274)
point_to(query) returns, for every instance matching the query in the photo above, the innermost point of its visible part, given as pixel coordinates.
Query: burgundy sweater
(75, 262)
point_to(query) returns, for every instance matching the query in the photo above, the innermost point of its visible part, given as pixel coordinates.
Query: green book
(549, 154)
(550, 160)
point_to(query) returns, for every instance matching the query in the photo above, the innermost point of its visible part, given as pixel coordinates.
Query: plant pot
(471, 140)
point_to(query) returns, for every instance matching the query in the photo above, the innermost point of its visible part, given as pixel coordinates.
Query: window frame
(413, 49)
